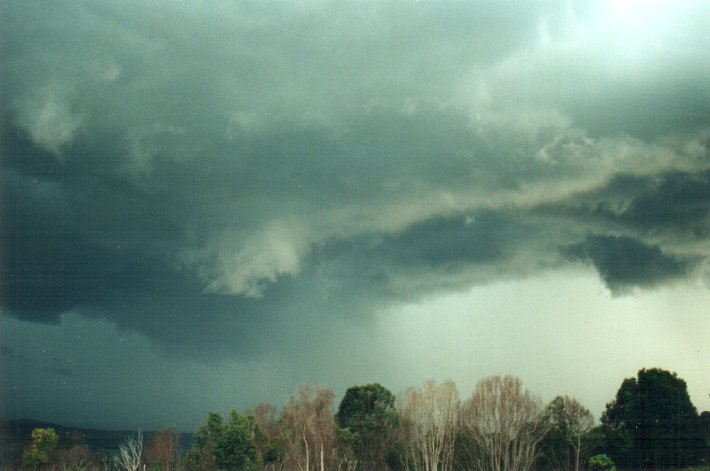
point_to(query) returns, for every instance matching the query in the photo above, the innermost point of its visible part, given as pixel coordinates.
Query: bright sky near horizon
(203, 206)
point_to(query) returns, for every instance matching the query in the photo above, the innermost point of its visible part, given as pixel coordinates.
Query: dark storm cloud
(680, 203)
(9, 352)
(245, 172)
(623, 262)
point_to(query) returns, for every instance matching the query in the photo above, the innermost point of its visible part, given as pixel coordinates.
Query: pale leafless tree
(505, 423)
(430, 416)
(129, 453)
(309, 429)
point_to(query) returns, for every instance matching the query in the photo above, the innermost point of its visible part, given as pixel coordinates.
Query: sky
(204, 205)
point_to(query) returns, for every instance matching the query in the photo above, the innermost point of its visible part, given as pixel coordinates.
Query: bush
(601, 463)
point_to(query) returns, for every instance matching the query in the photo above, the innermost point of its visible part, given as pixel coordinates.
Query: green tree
(367, 414)
(234, 449)
(704, 433)
(44, 441)
(570, 440)
(651, 421)
(265, 429)
(225, 446)
(601, 463)
(201, 456)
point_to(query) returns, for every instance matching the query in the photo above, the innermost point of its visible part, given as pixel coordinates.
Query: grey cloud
(54, 366)
(680, 203)
(624, 263)
(9, 352)
(258, 167)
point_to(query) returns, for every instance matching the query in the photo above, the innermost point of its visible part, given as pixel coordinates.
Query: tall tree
(266, 434)
(704, 433)
(431, 419)
(366, 416)
(224, 445)
(201, 456)
(234, 449)
(568, 444)
(163, 450)
(308, 426)
(651, 421)
(506, 423)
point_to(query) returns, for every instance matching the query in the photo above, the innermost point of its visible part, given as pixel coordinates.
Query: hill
(15, 433)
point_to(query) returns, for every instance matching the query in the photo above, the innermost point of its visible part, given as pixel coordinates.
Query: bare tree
(163, 449)
(75, 458)
(129, 453)
(266, 434)
(309, 428)
(430, 417)
(505, 423)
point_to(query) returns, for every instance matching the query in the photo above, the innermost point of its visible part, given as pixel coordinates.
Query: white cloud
(48, 116)
(232, 262)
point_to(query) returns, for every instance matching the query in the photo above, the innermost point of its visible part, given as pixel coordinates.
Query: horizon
(204, 207)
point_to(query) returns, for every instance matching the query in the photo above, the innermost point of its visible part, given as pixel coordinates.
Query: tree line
(501, 426)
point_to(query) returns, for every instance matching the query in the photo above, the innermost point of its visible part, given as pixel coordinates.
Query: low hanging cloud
(250, 166)
(623, 262)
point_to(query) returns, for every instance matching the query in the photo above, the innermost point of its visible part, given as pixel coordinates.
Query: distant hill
(16, 433)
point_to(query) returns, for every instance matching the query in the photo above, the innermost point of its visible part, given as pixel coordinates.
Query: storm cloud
(255, 172)
(622, 261)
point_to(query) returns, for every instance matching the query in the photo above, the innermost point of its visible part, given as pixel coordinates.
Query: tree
(506, 424)
(704, 433)
(129, 453)
(201, 456)
(75, 455)
(75, 458)
(164, 449)
(309, 429)
(234, 448)
(366, 416)
(601, 463)
(570, 440)
(44, 441)
(225, 446)
(651, 421)
(266, 434)
(431, 418)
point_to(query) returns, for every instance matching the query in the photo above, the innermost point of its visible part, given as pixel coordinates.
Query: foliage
(704, 433)
(163, 450)
(234, 449)
(366, 416)
(652, 422)
(601, 463)
(201, 456)
(225, 446)
(266, 432)
(570, 439)
(44, 441)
